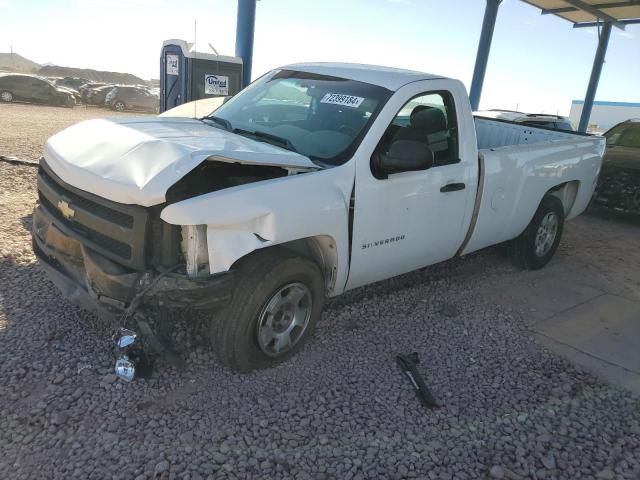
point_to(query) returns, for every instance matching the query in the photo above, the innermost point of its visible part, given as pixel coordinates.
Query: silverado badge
(65, 209)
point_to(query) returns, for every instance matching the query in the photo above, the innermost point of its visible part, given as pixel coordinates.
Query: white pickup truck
(315, 179)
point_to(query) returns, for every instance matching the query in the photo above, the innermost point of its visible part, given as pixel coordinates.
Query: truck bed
(518, 165)
(492, 133)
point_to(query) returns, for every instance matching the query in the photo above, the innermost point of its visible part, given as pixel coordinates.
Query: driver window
(430, 119)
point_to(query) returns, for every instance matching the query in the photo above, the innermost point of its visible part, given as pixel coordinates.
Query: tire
(6, 96)
(251, 332)
(535, 247)
(119, 106)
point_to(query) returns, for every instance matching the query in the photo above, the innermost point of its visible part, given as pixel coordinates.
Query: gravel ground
(339, 410)
(24, 128)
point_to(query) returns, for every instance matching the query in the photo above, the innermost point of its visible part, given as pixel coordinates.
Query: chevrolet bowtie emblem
(65, 209)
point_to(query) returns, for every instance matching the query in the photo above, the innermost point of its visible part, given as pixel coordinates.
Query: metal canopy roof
(587, 13)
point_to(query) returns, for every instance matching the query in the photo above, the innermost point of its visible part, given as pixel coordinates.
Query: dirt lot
(340, 409)
(24, 128)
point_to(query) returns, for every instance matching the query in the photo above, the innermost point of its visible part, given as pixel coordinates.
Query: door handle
(452, 187)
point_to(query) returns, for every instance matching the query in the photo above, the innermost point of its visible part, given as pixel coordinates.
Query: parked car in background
(96, 96)
(543, 120)
(75, 93)
(71, 82)
(87, 87)
(17, 87)
(619, 182)
(123, 98)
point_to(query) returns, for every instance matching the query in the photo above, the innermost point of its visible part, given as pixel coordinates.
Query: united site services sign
(216, 85)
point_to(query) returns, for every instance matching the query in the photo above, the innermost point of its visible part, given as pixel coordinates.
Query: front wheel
(535, 247)
(276, 304)
(119, 106)
(6, 96)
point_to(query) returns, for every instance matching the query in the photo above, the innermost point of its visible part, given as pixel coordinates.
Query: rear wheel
(6, 96)
(276, 304)
(535, 247)
(119, 106)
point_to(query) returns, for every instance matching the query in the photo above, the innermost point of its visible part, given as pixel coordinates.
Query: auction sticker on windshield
(344, 100)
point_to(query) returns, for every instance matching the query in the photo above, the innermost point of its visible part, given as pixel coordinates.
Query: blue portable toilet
(187, 75)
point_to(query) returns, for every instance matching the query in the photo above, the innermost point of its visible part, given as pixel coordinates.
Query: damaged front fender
(248, 217)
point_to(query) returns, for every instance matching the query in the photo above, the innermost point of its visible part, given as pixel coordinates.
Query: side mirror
(403, 156)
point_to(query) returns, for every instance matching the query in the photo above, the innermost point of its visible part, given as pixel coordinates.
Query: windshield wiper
(257, 135)
(268, 138)
(220, 121)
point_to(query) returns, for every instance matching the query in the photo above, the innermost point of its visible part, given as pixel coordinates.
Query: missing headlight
(195, 250)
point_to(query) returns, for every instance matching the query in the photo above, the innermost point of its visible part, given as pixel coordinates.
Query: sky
(537, 63)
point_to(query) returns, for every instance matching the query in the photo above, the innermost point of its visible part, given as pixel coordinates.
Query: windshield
(321, 117)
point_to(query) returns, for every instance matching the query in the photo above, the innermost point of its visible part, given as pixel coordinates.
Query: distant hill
(17, 63)
(12, 62)
(95, 75)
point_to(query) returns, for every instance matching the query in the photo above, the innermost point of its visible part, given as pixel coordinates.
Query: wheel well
(567, 193)
(322, 250)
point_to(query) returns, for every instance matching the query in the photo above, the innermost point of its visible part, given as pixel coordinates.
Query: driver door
(413, 219)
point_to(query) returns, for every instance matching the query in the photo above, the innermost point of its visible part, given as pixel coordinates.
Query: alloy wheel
(546, 234)
(283, 320)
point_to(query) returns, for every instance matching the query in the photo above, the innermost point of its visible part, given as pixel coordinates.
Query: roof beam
(630, 21)
(555, 11)
(585, 7)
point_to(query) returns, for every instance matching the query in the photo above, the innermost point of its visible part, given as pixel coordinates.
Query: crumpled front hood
(136, 160)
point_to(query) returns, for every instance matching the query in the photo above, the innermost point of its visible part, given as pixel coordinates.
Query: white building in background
(604, 114)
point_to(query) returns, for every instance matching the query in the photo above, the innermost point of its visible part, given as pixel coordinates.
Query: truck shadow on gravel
(32, 311)
(490, 261)
(27, 222)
